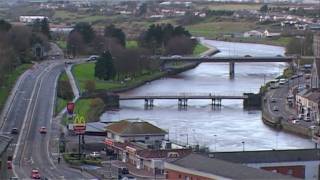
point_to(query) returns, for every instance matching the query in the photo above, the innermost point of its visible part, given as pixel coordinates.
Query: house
(31, 19)
(253, 33)
(196, 166)
(151, 160)
(300, 163)
(4, 144)
(133, 130)
(269, 34)
(307, 103)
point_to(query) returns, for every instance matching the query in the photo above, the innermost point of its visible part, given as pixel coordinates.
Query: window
(179, 176)
(290, 172)
(147, 137)
(186, 178)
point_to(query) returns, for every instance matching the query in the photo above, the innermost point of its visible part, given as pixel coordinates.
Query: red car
(43, 130)
(35, 174)
(9, 164)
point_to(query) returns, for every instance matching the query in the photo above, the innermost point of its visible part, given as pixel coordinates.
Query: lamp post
(243, 145)
(215, 143)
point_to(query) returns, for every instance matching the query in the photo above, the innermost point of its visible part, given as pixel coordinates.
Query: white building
(31, 19)
(135, 131)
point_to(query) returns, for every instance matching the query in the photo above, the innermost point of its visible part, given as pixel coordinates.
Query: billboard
(70, 107)
(79, 124)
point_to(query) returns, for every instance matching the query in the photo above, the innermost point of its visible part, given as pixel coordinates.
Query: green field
(199, 49)
(230, 6)
(61, 103)
(84, 72)
(62, 44)
(217, 29)
(10, 81)
(131, 44)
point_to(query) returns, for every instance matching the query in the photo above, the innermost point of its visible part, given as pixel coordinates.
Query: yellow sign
(79, 120)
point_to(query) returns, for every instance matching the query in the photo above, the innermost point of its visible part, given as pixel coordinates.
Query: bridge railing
(190, 94)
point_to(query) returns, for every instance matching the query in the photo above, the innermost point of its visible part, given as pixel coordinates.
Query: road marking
(24, 123)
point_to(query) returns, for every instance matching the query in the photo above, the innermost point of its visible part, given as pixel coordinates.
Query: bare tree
(180, 45)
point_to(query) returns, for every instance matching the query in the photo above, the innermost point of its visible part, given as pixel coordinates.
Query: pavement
(29, 108)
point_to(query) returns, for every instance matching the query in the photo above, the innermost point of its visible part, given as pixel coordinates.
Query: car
(295, 121)
(294, 76)
(282, 81)
(176, 56)
(301, 116)
(123, 170)
(14, 131)
(273, 100)
(69, 62)
(312, 127)
(275, 108)
(95, 155)
(35, 174)
(9, 164)
(279, 55)
(307, 119)
(247, 55)
(43, 130)
(93, 58)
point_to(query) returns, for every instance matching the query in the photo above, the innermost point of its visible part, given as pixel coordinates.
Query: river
(225, 128)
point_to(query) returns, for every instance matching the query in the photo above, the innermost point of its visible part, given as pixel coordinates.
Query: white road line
(24, 122)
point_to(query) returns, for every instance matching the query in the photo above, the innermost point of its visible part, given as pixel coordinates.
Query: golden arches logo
(79, 119)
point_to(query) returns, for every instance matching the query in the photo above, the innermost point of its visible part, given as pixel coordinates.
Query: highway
(31, 108)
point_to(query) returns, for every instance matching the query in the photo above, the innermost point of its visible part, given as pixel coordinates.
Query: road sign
(70, 107)
(79, 129)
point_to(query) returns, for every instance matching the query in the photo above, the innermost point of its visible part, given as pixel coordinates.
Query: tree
(264, 8)
(45, 28)
(86, 31)
(4, 26)
(116, 33)
(75, 43)
(90, 85)
(104, 68)
(180, 45)
(142, 9)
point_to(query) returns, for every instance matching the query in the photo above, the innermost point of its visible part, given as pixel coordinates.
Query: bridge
(183, 98)
(231, 60)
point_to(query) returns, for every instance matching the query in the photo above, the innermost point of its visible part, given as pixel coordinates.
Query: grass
(230, 6)
(10, 81)
(131, 44)
(199, 49)
(84, 72)
(61, 103)
(62, 44)
(216, 29)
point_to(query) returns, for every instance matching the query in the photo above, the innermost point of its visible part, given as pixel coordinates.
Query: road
(31, 108)
(280, 95)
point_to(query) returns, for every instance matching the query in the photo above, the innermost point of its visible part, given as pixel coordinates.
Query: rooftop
(129, 127)
(213, 167)
(270, 156)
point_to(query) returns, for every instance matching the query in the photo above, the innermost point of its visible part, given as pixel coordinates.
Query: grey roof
(225, 169)
(4, 143)
(269, 156)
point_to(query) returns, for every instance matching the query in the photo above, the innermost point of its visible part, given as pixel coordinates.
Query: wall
(174, 175)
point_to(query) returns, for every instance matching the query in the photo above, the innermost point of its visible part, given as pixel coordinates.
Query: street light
(215, 143)
(243, 145)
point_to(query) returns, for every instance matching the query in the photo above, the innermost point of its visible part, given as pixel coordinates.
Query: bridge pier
(231, 70)
(216, 102)
(148, 102)
(182, 102)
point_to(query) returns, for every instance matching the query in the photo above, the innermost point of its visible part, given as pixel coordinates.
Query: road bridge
(229, 59)
(182, 98)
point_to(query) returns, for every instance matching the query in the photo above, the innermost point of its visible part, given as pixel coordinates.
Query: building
(307, 103)
(196, 166)
(150, 160)
(316, 45)
(300, 163)
(133, 130)
(253, 33)
(31, 19)
(4, 144)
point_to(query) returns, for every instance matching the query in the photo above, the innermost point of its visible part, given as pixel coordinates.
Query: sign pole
(79, 147)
